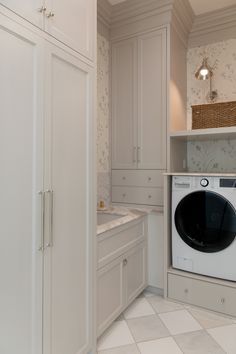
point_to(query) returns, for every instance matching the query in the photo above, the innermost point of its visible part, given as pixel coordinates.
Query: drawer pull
(149, 178)
(222, 300)
(186, 291)
(124, 195)
(149, 197)
(124, 178)
(125, 262)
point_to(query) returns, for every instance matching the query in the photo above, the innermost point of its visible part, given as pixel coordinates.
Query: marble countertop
(127, 215)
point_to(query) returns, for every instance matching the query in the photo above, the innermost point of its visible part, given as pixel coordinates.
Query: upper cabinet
(70, 21)
(139, 102)
(124, 100)
(31, 10)
(152, 100)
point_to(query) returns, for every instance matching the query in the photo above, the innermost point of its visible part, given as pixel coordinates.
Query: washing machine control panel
(204, 182)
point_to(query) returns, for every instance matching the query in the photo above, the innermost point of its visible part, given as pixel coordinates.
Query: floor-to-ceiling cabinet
(139, 111)
(47, 207)
(21, 180)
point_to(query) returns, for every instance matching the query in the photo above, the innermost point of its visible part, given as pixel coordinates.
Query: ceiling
(199, 6)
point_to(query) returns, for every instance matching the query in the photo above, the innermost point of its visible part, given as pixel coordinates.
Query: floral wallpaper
(218, 155)
(103, 120)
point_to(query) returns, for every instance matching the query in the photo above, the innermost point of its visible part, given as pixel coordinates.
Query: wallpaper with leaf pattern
(103, 119)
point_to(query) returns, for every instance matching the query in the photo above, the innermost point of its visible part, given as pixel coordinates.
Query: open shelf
(205, 134)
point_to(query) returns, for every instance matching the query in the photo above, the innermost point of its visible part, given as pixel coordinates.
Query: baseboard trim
(155, 290)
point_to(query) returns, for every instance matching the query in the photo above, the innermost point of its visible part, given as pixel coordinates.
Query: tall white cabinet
(139, 91)
(21, 159)
(47, 228)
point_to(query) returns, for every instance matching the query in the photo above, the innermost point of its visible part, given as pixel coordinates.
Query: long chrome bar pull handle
(138, 154)
(41, 247)
(50, 240)
(134, 154)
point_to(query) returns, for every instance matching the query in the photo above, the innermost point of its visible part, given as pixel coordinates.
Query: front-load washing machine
(204, 225)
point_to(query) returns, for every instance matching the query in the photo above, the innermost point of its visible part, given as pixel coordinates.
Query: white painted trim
(135, 16)
(213, 27)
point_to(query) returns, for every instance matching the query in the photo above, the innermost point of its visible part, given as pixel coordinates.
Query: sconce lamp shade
(204, 72)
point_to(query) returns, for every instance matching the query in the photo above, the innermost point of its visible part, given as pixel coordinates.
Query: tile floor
(152, 325)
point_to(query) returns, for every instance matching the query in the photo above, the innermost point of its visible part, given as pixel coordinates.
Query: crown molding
(104, 10)
(182, 19)
(213, 27)
(134, 16)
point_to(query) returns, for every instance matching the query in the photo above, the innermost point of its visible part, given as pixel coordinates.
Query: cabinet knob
(149, 197)
(124, 178)
(124, 195)
(42, 9)
(125, 262)
(222, 300)
(149, 178)
(50, 14)
(186, 291)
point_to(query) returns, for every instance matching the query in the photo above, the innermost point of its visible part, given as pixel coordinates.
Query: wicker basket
(214, 115)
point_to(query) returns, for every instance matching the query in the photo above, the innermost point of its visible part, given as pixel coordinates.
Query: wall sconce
(205, 72)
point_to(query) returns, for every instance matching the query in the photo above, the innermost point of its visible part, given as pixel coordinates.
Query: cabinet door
(136, 271)
(110, 294)
(73, 23)
(21, 180)
(124, 102)
(69, 259)
(28, 9)
(152, 100)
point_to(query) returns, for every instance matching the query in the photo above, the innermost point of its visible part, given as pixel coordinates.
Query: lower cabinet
(210, 295)
(119, 282)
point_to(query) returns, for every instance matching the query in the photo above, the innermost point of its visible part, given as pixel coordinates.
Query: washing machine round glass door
(206, 221)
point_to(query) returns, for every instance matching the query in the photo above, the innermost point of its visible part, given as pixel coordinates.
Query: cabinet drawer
(137, 195)
(138, 178)
(212, 296)
(115, 242)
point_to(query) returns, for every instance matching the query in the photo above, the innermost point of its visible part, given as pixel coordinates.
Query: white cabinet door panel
(73, 23)
(124, 86)
(110, 293)
(152, 100)
(21, 179)
(28, 9)
(68, 264)
(136, 272)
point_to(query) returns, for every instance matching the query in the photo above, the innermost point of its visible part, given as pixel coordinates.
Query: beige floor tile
(127, 349)
(117, 335)
(139, 308)
(147, 328)
(209, 319)
(179, 322)
(161, 305)
(160, 346)
(225, 337)
(199, 342)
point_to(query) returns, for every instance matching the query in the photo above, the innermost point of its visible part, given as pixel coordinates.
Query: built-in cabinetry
(122, 269)
(47, 268)
(71, 22)
(139, 118)
(204, 291)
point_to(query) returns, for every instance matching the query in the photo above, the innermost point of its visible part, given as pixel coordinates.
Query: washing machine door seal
(206, 221)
